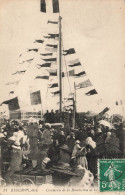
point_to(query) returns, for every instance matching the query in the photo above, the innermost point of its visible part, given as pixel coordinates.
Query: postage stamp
(111, 174)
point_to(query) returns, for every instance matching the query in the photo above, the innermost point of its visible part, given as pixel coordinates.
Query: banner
(12, 104)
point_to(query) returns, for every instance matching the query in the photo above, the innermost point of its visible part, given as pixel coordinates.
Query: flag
(53, 85)
(52, 22)
(84, 84)
(55, 92)
(55, 6)
(46, 54)
(47, 65)
(50, 59)
(116, 103)
(36, 50)
(76, 64)
(80, 74)
(91, 92)
(74, 61)
(71, 73)
(13, 82)
(50, 49)
(53, 46)
(35, 98)
(38, 41)
(12, 103)
(11, 92)
(100, 115)
(53, 72)
(43, 6)
(69, 51)
(42, 77)
(19, 72)
(26, 61)
(53, 36)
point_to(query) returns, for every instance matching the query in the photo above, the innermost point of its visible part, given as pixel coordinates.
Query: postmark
(111, 174)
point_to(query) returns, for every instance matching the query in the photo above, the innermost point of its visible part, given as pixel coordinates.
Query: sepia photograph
(62, 100)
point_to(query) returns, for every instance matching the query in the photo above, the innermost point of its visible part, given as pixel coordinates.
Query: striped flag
(80, 74)
(45, 65)
(52, 22)
(91, 92)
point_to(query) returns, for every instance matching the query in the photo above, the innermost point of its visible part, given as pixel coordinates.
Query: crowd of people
(38, 145)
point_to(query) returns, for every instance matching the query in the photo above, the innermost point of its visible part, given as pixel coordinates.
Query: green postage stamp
(111, 174)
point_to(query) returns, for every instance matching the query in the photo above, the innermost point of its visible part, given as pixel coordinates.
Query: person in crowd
(54, 152)
(61, 138)
(70, 142)
(76, 148)
(32, 133)
(46, 136)
(16, 158)
(64, 154)
(81, 158)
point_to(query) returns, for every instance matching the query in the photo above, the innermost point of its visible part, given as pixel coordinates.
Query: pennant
(46, 54)
(80, 74)
(42, 77)
(76, 64)
(55, 92)
(11, 92)
(84, 84)
(43, 6)
(50, 45)
(55, 6)
(46, 37)
(38, 41)
(12, 104)
(35, 98)
(50, 59)
(52, 22)
(91, 92)
(69, 51)
(53, 73)
(26, 61)
(53, 36)
(69, 99)
(53, 85)
(19, 72)
(36, 50)
(45, 65)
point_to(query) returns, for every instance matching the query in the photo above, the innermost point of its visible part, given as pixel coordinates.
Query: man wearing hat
(64, 154)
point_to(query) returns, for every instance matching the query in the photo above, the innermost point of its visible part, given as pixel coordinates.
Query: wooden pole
(60, 68)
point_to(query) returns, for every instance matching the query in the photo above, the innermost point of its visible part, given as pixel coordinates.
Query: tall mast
(60, 67)
(74, 107)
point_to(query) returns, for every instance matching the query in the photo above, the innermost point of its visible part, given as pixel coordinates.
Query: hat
(77, 142)
(46, 160)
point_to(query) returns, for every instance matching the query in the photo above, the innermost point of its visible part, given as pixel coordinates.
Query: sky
(96, 29)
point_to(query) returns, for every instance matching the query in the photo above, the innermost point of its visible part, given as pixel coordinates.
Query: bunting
(35, 98)
(46, 54)
(91, 92)
(19, 72)
(52, 22)
(45, 65)
(42, 77)
(13, 104)
(80, 74)
(29, 60)
(69, 51)
(51, 45)
(36, 50)
(76, 64)
(39, 41)
(100, 115)
(53, 85)
(84, 84)
(56, 92)
(50, 59)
